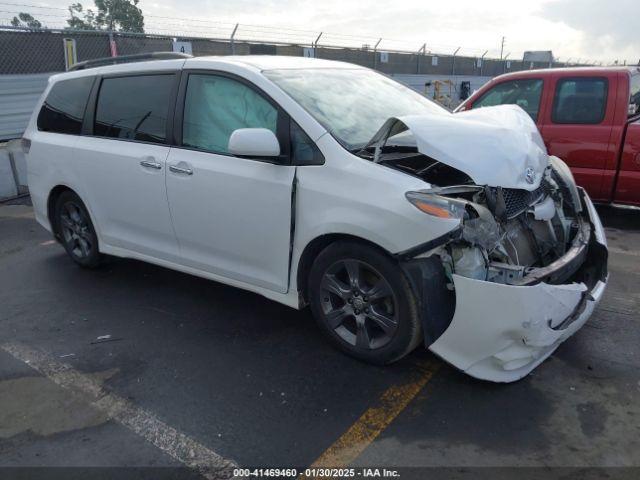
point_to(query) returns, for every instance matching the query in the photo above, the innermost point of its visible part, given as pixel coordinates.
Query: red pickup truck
(589, 117)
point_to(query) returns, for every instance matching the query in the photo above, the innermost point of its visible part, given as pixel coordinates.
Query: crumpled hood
(496, 146)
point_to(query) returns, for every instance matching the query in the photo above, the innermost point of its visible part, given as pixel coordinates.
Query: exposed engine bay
(505, 233)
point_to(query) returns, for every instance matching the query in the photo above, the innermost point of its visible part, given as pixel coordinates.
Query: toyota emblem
(530, 175)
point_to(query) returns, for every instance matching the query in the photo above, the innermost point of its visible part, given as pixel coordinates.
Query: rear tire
(76, 231)
(363, 303)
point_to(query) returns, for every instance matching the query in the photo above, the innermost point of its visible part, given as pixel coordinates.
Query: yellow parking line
(373, 422)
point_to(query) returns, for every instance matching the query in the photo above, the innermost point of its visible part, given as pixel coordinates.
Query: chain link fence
(29, 51)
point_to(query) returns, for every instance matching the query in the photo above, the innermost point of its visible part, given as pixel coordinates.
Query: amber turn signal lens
(433, 210)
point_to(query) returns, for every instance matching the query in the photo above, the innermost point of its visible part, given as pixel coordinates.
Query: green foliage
(120, 15)
(25, 20)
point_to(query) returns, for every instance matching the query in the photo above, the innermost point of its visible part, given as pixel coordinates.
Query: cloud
(608, 28)
(595, 29)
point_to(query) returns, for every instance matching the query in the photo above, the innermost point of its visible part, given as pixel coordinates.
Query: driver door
(232, 215)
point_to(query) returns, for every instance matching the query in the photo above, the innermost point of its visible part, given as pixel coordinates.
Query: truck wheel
(76, 231)
(363, 303)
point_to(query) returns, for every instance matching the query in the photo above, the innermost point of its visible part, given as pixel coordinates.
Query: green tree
(25, 20)
(120, 15)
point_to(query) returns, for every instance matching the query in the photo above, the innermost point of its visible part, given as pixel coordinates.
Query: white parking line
(174, 443)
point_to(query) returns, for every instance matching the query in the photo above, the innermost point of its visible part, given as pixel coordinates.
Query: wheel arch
(54, 194)
(313, 249)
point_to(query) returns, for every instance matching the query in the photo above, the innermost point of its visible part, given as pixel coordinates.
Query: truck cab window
(634, 98)
(524, 93)
(580, 101)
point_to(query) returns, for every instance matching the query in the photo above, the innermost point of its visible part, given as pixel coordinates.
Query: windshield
(351, 104)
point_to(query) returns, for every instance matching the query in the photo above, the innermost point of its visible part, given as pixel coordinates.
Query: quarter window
(63, 109)
(580, 101)
(216, 106)
(525, 93)
(303, 150)
(134, 108)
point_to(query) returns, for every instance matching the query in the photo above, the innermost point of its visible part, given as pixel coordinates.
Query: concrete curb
(13, 170)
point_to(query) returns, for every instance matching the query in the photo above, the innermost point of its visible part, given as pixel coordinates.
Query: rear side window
(524, 93)
(63, 109)
(634, 98)
(216, 106)
(134, 108)
(580, 101)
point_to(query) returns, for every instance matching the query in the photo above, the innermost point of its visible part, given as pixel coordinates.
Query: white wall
(18, 96)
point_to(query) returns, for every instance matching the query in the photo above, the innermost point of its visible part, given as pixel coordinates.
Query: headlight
(437, 206)
(564, 173)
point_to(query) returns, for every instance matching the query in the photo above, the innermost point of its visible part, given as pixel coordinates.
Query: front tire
(76, 231)
(363, 303)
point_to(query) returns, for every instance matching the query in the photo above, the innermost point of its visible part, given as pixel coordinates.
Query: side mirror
(254, 142)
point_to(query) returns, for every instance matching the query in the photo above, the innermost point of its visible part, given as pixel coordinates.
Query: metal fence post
(375, 53)
(422, 50)
(314, 45)
(482, 61)
(453, 62)
(232, 42)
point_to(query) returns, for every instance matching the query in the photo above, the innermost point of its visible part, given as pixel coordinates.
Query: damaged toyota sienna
(324, 184)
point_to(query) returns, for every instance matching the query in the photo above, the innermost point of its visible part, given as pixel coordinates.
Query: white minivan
(325, 184)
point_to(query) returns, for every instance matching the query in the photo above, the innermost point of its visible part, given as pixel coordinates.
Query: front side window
(634, 97)
(524, 93)
(216, 106)
(134, 108)
(351, 104)
(580, 101)
(63, 109)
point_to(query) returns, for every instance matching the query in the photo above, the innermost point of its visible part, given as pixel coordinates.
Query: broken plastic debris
(480, 232)
(105, 339)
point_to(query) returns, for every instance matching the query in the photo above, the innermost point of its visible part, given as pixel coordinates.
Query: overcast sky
(597, 30)
(586, 29)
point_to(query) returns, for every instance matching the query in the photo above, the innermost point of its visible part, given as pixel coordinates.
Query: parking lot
(132, 365)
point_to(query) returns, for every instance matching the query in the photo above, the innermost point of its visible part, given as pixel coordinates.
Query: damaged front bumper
(501, 332)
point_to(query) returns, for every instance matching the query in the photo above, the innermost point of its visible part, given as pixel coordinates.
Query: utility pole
(502, 47)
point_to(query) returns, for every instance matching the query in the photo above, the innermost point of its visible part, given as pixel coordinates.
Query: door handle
(151, 164)
(182, 170)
